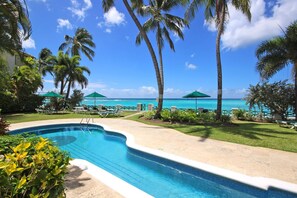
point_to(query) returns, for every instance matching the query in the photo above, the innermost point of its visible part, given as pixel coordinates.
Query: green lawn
(267, 135)
(27, 117)
(249, 133)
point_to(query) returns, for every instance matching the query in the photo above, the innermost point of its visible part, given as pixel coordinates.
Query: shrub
(248, 116)
(3, 126)
(225, 118)
(149, 115)
(165, 115)
(33, 168)
(238, 114)
(206, 117)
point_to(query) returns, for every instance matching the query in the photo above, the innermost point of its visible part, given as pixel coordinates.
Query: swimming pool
(157, 176)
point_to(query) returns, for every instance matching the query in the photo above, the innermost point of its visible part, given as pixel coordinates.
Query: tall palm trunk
(68, 90)
(153, 55)
(161, 92)
(219, 64)
(295, 68)
(62, 87)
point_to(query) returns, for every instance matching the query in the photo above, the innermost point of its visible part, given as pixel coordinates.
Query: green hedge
(31, 167)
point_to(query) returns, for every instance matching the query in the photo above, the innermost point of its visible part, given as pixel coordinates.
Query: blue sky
(122, 69)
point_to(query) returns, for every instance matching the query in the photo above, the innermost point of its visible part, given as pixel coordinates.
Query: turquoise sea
(210, 104)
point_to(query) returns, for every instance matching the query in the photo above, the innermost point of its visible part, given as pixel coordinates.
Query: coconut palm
(15, 25)
(218, 10)
(81, 42)
(43, 65)
(75, 74)
(59, 69)
(275, 54)
(107, 4)
(161, 22)
(67, 72)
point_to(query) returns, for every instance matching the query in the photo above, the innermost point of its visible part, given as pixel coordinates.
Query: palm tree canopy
(160, 21)
(275, 54)
(15, 25)
(81, 42)
(213, 8)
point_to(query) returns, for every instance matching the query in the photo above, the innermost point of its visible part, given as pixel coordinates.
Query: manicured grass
(267, 135)
(27, 117)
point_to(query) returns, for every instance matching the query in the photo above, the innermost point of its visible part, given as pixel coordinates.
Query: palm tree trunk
(62, 87)
(295, 67)
(161, 92)
(153, 56)
(219, 64)
(68, 90)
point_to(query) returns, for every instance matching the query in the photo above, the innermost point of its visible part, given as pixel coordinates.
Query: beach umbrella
(52, 94)
(196, 94)
(95, 95)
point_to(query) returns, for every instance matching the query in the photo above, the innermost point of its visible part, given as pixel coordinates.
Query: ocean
(211, 104)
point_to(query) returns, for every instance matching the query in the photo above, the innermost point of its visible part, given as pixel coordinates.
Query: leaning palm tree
(161, 21)
(275, 54)
(107, 4)
(218, 10)
(81, 42)
(15, 25)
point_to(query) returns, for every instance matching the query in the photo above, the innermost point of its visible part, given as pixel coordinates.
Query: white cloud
(29, 43)
(79, 10)
(64, 23)
(265, 23)
(193, 55)
(112, 18)
(190, 66)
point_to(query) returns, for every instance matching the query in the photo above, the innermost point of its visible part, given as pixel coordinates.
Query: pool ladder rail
(88, 118)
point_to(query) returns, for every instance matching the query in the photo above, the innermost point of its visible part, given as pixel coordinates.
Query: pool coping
(114, 183)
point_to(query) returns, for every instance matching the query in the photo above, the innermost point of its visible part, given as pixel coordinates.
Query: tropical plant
(107, 4)
(218, 10)
(278, 97)
(33, 169)
(75, 74)
(161, 21)
(42, 64)
(81, 42)
(277, 53)
(15, 25)
(76, 98)
(67, 72)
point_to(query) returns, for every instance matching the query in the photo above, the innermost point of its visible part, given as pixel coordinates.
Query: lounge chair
(105, 113)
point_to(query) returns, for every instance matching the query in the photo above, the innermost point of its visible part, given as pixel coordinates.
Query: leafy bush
(206, 117)
(76, 98)
(225, 118)
(3, 126)
(238, 114)
(149, 115)
(33, 168)
(165, 115)
(248, 116)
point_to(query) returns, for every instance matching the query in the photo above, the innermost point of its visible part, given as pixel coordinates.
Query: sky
(121, 69)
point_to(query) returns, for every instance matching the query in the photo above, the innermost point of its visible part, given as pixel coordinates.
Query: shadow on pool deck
(80, 184)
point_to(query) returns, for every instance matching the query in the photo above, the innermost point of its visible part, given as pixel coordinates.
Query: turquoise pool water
(156, 176)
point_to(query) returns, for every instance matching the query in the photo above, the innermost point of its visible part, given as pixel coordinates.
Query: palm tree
(15, 25)
(75, 74)
(218, 10)
(275, 54)
(44, 66)
(81, 42)
(160, 20)
(67, 72)
(58, 64)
